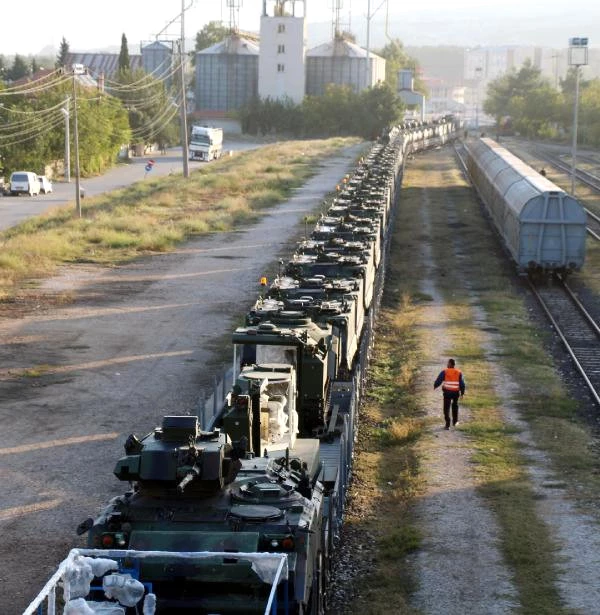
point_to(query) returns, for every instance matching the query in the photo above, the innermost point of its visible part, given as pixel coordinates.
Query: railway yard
(499, 515)
(498, 524)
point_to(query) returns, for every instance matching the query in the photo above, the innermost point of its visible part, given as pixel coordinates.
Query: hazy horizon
(465, 23)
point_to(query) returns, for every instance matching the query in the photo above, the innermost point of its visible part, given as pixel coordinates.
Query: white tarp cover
(80, 572)
(271, 568)
(79, 606)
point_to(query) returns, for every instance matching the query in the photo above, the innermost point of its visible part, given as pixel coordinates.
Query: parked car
(45, 184)
(24, 182)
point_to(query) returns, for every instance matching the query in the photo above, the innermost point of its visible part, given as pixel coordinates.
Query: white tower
(281, 70)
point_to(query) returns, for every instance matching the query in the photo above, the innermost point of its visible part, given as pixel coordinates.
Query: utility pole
(183, 108)
(76, 143)
(368, 76)
(368, 67)
(578, 56)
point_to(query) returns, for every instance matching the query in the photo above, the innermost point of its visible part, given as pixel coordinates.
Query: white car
(24, 182)
(45, 184)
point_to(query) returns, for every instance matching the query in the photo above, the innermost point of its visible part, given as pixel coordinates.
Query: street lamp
(478, 73)
(578, 56)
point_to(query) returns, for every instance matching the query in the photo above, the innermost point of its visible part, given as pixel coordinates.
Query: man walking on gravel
(453, 386)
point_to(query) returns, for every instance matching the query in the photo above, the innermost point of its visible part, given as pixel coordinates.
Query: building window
(280, 68)
(280, 28)
(280, 48)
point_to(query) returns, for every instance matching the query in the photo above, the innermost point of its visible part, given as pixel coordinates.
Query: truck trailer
(206, 143)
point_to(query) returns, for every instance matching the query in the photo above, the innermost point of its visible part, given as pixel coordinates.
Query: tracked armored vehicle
(202, 492)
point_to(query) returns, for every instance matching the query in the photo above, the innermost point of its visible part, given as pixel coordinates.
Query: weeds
(156, 214)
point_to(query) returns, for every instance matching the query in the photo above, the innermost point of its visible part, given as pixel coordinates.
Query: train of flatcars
(241, 517)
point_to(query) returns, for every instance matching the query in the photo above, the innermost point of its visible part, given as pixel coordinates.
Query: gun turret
(178, 457)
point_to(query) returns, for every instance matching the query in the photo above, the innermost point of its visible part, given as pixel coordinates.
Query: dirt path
(130, 345)
(460, 568)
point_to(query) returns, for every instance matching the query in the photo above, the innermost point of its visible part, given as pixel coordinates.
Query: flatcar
(241, 515)
(543, 227)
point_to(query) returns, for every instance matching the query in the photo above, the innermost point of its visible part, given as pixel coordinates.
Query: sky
(98, 25)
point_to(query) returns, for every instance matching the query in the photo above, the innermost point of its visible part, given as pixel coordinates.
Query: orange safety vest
(451, 380)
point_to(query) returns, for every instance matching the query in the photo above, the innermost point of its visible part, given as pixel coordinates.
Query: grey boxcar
(543, 227)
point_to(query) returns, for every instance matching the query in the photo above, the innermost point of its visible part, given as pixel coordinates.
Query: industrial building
(227, 74)
(232, 72)
(342, 62)
(281, 71)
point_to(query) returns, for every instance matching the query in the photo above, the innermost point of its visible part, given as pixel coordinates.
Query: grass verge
(155, 214)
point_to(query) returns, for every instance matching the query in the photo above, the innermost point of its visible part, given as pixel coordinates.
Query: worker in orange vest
(453, 387)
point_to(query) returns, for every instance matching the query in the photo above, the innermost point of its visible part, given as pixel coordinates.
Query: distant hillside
(488, 25)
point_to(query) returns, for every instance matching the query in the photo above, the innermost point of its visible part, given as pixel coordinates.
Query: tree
(102, 123)
(152, 113)
(530, 101)
(338, 112)
(124, 61)
(395, 60)
(34, 66)
(213, 32)
(589, 113)
(331, 113)
(19, 68)
(63, 52)
(378, 107)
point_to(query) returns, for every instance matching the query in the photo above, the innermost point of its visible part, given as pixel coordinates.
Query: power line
(38, 85)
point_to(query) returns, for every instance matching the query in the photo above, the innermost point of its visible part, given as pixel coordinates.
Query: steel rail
(582, 176)
(562, 336)
(596, 219)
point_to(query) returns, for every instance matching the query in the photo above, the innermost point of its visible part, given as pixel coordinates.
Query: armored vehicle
(205, 493)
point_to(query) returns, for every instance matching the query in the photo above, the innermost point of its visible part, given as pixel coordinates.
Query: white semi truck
(206, 143)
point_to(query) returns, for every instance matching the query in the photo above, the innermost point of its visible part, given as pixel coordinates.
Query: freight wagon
(543, 227)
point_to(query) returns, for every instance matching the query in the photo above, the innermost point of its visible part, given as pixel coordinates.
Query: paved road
(15, 209)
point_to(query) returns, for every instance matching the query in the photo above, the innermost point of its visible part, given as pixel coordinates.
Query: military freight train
(241, 516)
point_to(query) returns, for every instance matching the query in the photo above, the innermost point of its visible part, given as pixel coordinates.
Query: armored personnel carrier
(205, 493)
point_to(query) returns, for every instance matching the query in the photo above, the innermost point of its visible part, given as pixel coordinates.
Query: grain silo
(341, 62)
(157, 60)
(227, 74)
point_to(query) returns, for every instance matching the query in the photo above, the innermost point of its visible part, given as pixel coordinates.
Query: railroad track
(589, 179)
(585, 177)
(577, 330)
(593, 224)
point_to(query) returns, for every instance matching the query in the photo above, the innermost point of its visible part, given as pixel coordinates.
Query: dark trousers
(451, 397)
